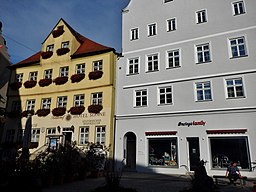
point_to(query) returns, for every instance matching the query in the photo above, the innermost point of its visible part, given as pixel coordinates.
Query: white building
(185, 86)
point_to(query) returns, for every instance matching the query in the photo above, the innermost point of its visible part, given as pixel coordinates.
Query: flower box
(93, 75)
(59, 111)
(44, 82)
(42, 112)
(76, 110)
(14, 114)
(25, 113)
(16, 85)
(62, 51)
(46, 54)
(58, 32)
(95, 108)
(77, 77)
(60, 80)
(30, 84)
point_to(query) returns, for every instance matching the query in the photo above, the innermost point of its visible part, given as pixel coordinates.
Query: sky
(26, 23)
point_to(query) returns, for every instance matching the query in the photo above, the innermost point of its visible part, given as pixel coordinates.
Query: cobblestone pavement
(145, 182)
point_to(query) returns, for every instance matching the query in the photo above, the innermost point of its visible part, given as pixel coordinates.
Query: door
(130, 151)
(194, 152)
(67, 137)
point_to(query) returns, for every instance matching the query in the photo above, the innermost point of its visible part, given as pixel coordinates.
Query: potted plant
(93, 75)
(95, 108)
(77, 110)
(60, 80)
(58, 32)
(77, 77)
(62, 51)
(44, 82)
(16, 85)
(30, 84)
(46, 54)
(59, 111)
(42, 112)
(25, 113)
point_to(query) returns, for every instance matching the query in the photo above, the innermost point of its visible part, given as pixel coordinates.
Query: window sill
(173, 67)
(230, 98)
(202, 101)
(131, 74)
(204, 62)
(164, 104)
(152, 71)
(238, 56)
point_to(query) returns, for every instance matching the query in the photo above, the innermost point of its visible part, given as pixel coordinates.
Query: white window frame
(238, 8)
(83, 135)
(100, 135)
(48, 74)
(79, 100)
(96, 98)
(50, 47)
(133, 66)
(30, 104)
(33, 76)
(152, 29)
(134, 34)
(171, 24)
(19, 77)
(201, 16)
(234, 86)
(142, 97)
(65, 44)
(46, 103)
(64, 71)
(35, 135)
(237, 47)
(166, 94)
(203, 52)
(151, 62)
(173, 58)
(97, 65)
(80, 68)
(50, 132)
(204, 88)
(62, 101)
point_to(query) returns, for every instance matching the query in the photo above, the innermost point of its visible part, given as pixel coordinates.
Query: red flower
(95, 75)
(95, 108)
(42, 112)
(46, 54)
(59, 111)
(44, 82)
(77, 110)
(25, 113)
(60, 80)
(58, 32)
(16, 85)
(77, 77)
(30, 84)
(62, 51)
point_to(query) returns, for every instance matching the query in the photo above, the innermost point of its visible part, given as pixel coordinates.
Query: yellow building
(68, 87)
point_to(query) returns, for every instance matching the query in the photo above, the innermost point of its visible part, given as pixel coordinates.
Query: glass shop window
(225, 150)
(163, 152)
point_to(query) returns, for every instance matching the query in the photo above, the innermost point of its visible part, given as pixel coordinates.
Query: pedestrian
(233, 172)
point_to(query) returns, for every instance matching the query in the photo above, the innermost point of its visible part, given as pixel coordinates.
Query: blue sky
(26, 23)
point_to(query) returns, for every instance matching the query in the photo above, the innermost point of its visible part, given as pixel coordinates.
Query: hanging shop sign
(192, 123)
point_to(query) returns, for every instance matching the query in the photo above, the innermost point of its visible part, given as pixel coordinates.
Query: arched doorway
(130, 151)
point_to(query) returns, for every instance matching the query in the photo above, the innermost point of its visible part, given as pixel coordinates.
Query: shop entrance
(67, 136)
(194, 152)
(130, 151)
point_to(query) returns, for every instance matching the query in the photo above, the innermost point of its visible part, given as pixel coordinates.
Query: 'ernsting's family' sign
(193, 123)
